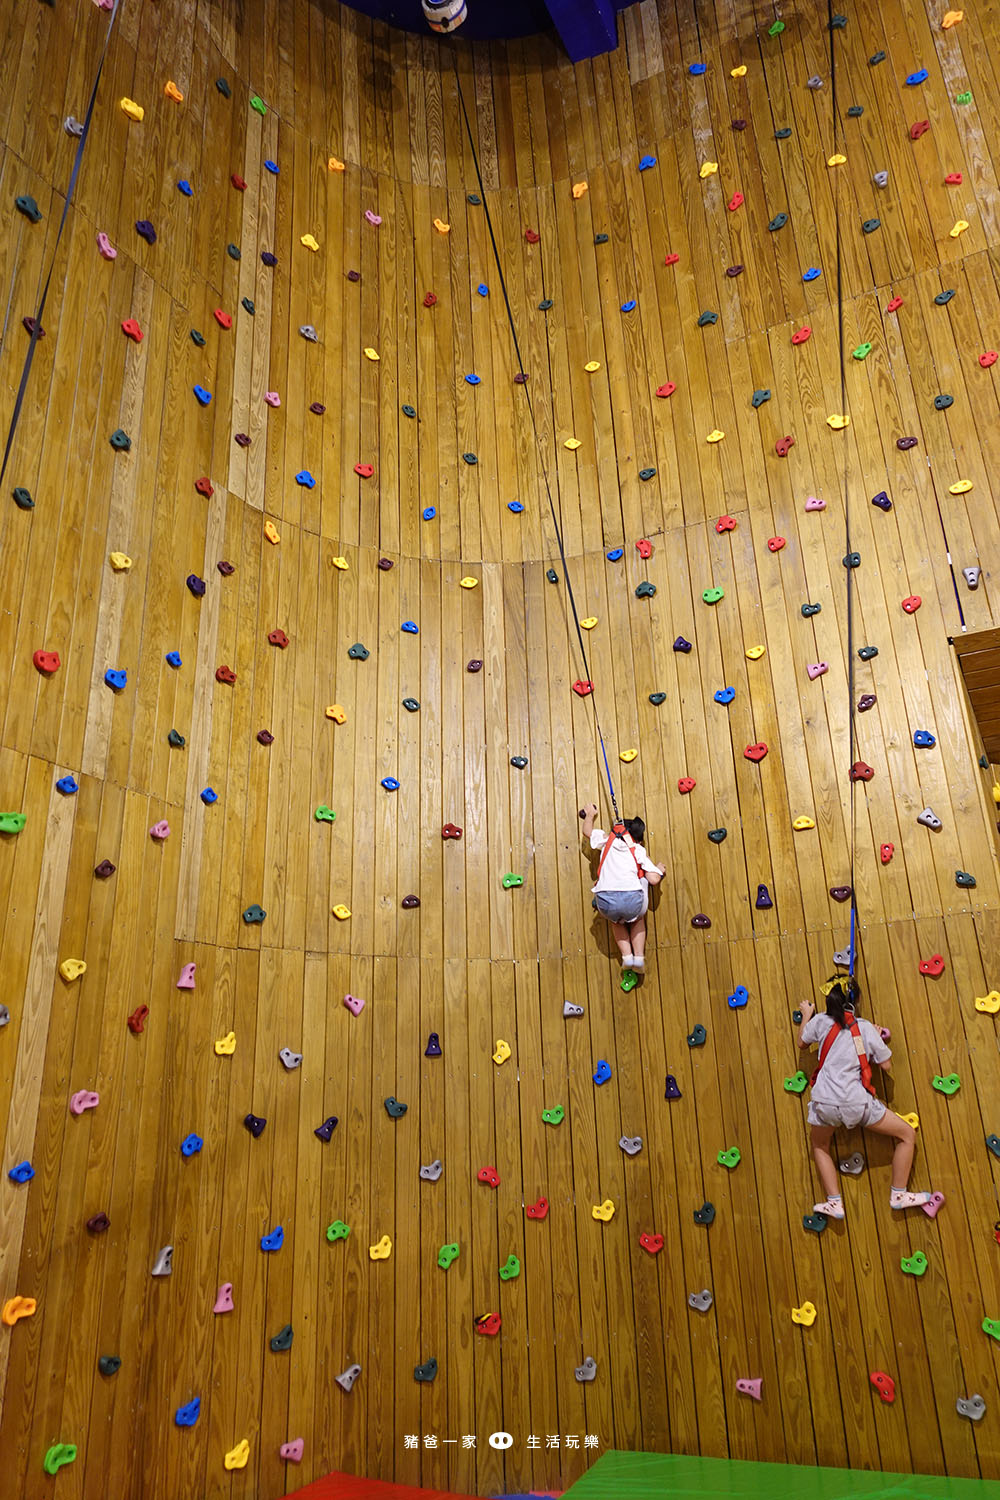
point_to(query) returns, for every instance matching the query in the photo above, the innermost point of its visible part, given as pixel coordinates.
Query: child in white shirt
(621, 892)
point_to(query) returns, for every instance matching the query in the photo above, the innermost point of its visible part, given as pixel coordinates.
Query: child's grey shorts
(622, 906)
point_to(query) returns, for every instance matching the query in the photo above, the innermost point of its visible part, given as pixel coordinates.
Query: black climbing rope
(538, 444)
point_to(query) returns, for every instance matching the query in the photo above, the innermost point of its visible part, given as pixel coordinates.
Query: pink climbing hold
(373, 219)
(224, 1298)
(817, 669)
(293, 1451)
(84, 1099)
(186, 981)
(272, 398)
(160, 830)
(105, 246)
(815, 504)
(749, 1388)
(931, 1207)
(354, 1005)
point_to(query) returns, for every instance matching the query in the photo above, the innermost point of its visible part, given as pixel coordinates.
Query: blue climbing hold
(923, 739)
(602, 1072)
(173, 658)
(920, 76)
(616, 554)
(697, 69)
(274, 1240)
(272, 167)
(202, 396)
(410, 627)
(429, 513)
(473, 380)
(646, 162)
(515, 506)
(483, 289)
(185, 187)
(115, 679)
(813, 274)
(187, 1416)
(304, 478)
(208, 796)
(67, 786)
(725, 695)
(191, 1145)
(23, 1172)
(390, 783)
(630, 305)
(738, 998)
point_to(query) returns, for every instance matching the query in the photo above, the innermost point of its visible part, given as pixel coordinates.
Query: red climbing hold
(205, 487)
(132, 330)
(644, 548)
(954, 179)
(933, 966)
(725, 523)
(583, 688)
(667, 389)
(735, 202)
(894, 305)
(671, 258)
(884, 1384)
(223, 319)
(489, 1175)
(225, 674)
(451, 831)
(686, 784)
(532, 236)
(885, 852)
(782, 446)
(861, 772)
(775, 543)
(912, 603)
(537, 1210)
(46, 661)
(989, 358)
(801, 335)
(238, 183)
(278, 638)
(365, 471)
(137, 1019)
(918, 129)
(651, 1242)
(489, 1324)
(756, 752)
(430, 299)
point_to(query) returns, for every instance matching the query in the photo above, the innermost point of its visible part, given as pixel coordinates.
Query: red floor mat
(347, 1487)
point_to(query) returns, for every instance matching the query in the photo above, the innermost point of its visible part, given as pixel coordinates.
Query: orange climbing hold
(173, 92)
(335, 165)
(579, 188)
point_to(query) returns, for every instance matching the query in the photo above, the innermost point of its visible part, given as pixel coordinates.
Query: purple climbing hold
(681, 644)
(433, 1048)
(196, 585)
(268, 258)
(763, 902)
(882, 501)
(255, 1124)
(672, 1091)
(325, 1131)
(145, 230)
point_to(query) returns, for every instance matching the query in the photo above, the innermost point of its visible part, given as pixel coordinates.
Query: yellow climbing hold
(588, 623)
(503, 1051)
(72, 968)
(592, 365)
(572, 444)
(272, 533)
(225, 1046)
(806, 1315)
(912, 1119)
(960, 487)
(310, 241)
(341, 563)
(959, 227)
(335, 165)
(441, 226)
(707, 169)
(336, 713)
(382, 1250)
(173, 92)
(754, 653)
(238, 1457)
(802, 822)
(996, 793)
(989, 1004)
(133, 110)
(951, 18)
(604, 1211)
(628, 756)
(836, 160)
(715, 436)
(838, 421)
(120, 561)
(372, 354)
(468, 583)
(740, 72)
(341, 912)
(579, 188)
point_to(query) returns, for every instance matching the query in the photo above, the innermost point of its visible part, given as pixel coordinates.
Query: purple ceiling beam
(586, 27)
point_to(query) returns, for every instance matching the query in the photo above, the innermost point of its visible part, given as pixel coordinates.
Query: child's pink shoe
(833, 1208)
(901, 1199)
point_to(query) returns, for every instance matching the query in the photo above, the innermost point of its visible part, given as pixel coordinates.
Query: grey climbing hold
(853, 1165)
(843, 957)
(972, 1407)
(881, 179)
(928, 818)
(815, 82)
(164, 1263)
(700, 1301)
(569, 1009)
(586, 1371)
(347, 1378)
(631, 1144)
(971, 576)
(282, 1340)
(432, 1171)
(72, 126)
(308, 332)
(290, 1059)
(4, 1016)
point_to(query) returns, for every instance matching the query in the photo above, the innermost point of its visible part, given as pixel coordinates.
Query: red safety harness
(851, 1025)
(618, 832)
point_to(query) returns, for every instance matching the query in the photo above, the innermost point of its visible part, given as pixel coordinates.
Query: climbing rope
(538, 443)
(36, 327)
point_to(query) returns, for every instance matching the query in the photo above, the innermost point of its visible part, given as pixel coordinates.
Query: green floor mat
(651, 1476)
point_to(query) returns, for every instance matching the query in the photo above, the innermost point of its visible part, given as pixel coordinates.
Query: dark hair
(843, 994)
(636, 829)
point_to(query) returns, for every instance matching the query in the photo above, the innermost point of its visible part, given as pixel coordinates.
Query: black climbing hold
(866, 653)
(22, 498)
(223, 87)
(120, 440)
(942, 402)
(646, 473)
(718, 835)
(519, 762)
(706, 318)
(876, 57)
(552, 575)
(870, 225)
(783, 134)
(943, 297)
(175, 739)
(600, 239)
(657, 698)
(248, 306)
(778, 222)
(852, 560)
(759, 397)
(808, 610)
(470, 458)
(474, 199)
(855, 111)
(645, 590)
(545, 304)
(233, 251)
(409, 411)
(26, 205)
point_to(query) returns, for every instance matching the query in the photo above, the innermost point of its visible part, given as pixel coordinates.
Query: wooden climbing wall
(477, 962)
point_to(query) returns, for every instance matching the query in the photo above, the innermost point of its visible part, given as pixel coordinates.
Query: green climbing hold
(964, 98)
(120, 441)
(861, 352)
(510, 1268)
(474, 199)
(554, 1116)
(470, 458)
(712, 596)
(22, 498)
(867, 653)
(783, 133)
(730, 1158)
(510, 881)
(718, 835)
(175, 739)
(992, 1327)
(545, 304)
(852, 560)
(942, 402)
(338, 1230)
(870, 225)
(646, 473)
(776, 28)
(233, 251)
(706, 318)
(411, 704)
(58, 1454)
(197, 338)
(778, 222)
(447, 1255)
(948, 1085)
(657, 698)
(915, 1264)
(257, 103)
(808, 610)
(409, 411)
(645, 590)
(324, 814)
(855, 112)
(759, 397)
(629, 980)
(797, 1083)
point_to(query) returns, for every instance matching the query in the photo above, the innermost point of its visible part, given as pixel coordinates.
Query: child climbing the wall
(843, 1093)
(624, 874)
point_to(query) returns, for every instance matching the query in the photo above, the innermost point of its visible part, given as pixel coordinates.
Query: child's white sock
(832, 1208)
(627, 961)
(901, 1198)
(638, 962)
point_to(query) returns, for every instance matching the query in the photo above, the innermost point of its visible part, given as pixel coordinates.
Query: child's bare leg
(902, 1156)
(621, 937)
(638, 935)
(820, 1137)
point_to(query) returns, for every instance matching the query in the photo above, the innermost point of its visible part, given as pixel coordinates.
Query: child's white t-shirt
(619, 872)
